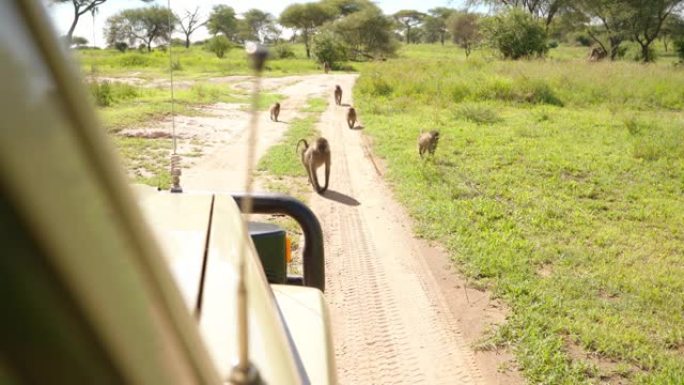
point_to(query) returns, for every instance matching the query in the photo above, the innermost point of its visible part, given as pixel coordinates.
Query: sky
(62, 14)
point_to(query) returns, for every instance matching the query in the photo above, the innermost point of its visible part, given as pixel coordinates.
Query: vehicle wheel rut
(390, 322)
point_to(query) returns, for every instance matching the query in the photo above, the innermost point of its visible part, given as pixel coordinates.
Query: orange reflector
(288, 249)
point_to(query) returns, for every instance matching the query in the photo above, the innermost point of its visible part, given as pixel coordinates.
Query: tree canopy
(409, 18)
(145, 25)
(222, 20)
(306, 18)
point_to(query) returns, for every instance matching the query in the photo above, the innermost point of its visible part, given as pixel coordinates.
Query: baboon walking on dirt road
(338, 95)
(313, 157)
(275, 111)
(351, 117)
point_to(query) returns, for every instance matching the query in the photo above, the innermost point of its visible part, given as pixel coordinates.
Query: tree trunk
(70, 33)
(408, 33)
(187, 41)
(646, 53)
(149, 45)
(305, 35)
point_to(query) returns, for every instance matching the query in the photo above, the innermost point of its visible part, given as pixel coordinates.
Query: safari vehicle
(101, 284)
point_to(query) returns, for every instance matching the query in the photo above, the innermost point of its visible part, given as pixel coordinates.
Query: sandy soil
(400, 314)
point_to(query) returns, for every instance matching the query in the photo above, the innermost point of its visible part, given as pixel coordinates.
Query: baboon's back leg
(314, 177)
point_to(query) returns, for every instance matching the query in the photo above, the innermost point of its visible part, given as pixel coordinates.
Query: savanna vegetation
(557, 182)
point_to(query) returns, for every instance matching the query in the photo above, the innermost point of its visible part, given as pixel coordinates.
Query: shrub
(328, 48)
(282, 51)
(553, 44)
(679, 48)
(102, 93)
(583, 40)
(121, 46)
(219, 45)
(517, 34)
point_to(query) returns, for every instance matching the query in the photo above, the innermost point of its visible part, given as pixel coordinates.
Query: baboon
(597, 54)
(427, 142)
(275, 111)
(338, 95)
(351, 117)
(313, 157)
(326, 67)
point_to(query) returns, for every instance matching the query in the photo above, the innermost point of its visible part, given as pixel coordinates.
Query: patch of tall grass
(579, 83)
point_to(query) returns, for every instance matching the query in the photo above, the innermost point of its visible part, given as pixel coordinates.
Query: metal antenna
(175, 158)
(243, 372)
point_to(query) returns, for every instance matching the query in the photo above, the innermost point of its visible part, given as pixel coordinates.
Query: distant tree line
(338, 30)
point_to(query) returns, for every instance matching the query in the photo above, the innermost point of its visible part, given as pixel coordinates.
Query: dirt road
(398, 316)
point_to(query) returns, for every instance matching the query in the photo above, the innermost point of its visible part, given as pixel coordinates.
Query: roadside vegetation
(558, 184)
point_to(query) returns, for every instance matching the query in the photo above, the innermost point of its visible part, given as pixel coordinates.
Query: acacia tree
(146, 25)
(408, 18)
(190, 23)
(256, 25)
(342, 8)
(546, 9)
(673, 29)
(81, 7)
(465, 30)
(222, 20)
(646, 22)
(307, 18)
(367, 33)
(435, 24)
(609, 20)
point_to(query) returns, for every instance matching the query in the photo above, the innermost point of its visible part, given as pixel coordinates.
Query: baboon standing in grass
(427, 142)
(313, 157)
(338, 95)
(351, 117)
(275, 111)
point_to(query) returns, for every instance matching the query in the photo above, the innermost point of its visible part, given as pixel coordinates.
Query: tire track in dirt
(390, 323)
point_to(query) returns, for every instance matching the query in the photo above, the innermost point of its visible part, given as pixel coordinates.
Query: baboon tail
(306, 145)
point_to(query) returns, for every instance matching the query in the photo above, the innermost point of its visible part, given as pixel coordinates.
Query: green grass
(558, 185)
(148, 161)
(192, 63)
(131, 104)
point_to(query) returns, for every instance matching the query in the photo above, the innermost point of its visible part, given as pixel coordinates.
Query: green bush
(282, 51)
(102, 93)
(121, 46)
(219, 45)
(679, 48)
(517, 34)
(583, 40)
(328, 48)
